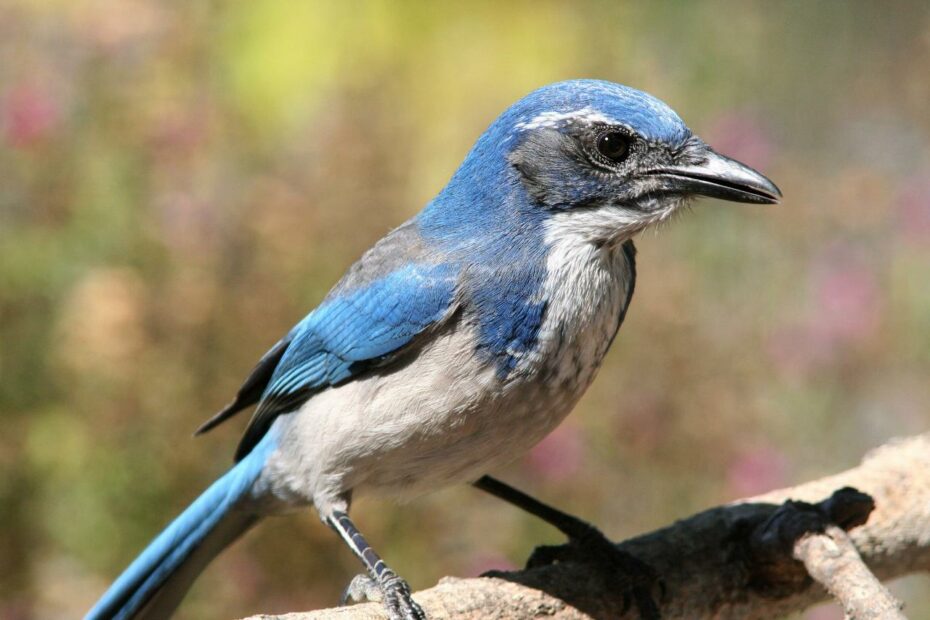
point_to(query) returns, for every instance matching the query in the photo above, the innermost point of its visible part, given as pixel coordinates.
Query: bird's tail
(154, 584)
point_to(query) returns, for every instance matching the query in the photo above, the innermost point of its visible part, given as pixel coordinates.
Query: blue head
(605, 159)
(583, 165)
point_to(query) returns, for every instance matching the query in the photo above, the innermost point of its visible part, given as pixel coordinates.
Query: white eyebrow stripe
(552, 118)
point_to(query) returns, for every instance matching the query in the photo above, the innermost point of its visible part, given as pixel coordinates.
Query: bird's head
(605, 160)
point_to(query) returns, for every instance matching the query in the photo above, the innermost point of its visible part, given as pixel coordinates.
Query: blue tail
(154, 584)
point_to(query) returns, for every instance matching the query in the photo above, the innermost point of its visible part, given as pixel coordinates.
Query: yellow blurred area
(180, 182)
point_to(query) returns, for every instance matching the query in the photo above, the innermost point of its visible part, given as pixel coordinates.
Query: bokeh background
(181, 181)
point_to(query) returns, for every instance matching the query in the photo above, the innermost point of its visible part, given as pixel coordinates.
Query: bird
(458, 341)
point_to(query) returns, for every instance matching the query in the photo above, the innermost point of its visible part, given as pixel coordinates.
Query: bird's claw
(398, 600)
(392, 591)
(641, 584)
(361, 589)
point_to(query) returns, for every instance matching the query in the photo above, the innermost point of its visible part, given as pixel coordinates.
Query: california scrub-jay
(459, 340)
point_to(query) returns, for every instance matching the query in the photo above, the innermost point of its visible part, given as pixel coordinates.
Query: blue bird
(458, 341)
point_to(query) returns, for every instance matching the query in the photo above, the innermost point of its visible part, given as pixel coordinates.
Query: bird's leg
(586, 544)
(394, 591)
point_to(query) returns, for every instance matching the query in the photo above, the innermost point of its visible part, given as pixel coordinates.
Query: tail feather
(168, 595)
(156, 581)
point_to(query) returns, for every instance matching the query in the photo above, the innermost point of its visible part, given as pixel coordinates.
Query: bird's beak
(718, 177)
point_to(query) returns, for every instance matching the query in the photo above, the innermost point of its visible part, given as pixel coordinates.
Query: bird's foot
(640, 583)
(361, 589)
(391, 590)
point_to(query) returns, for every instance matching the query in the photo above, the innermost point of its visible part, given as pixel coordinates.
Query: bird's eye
(613, 145)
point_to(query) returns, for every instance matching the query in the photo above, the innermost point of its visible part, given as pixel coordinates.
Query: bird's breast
(587, 290)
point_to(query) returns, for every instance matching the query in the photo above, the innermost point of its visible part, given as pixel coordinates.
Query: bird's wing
(351, 331)
(253, 387)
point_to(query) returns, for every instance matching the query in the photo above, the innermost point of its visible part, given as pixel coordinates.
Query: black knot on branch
(773, 569)
(848, 508)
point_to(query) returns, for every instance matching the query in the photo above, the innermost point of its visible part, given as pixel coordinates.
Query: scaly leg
(395, 593)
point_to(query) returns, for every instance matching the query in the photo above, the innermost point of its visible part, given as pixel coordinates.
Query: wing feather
(350, 332)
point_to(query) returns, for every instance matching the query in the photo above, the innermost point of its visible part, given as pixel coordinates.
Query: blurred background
(180, 182)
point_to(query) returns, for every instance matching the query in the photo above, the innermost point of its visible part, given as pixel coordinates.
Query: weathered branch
(751, 559)
(832, 559)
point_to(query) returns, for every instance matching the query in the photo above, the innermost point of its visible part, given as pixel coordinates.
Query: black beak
(718, 177)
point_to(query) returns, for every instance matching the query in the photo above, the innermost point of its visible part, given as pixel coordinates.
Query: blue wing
(352, 330)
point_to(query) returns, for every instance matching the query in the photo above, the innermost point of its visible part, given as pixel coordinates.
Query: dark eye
(613, 145)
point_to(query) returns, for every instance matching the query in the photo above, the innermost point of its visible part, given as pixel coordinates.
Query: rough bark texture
(833, 561)
(750, 559)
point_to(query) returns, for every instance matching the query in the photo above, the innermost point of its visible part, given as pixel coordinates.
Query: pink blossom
(844, 310)
(739, 134)
(913, 208)
(846, 302)
(756, 471)
(558, 456)
(29, 115)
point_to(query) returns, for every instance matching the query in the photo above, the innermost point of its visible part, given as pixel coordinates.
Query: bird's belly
(482, 435)
(445, 417)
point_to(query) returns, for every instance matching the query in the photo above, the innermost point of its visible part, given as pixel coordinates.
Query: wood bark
(758, 558)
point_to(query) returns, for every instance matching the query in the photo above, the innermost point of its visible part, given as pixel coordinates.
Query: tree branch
(832, 560)
(750, 559)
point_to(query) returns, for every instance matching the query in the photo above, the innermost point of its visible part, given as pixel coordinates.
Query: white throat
(608, 226)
